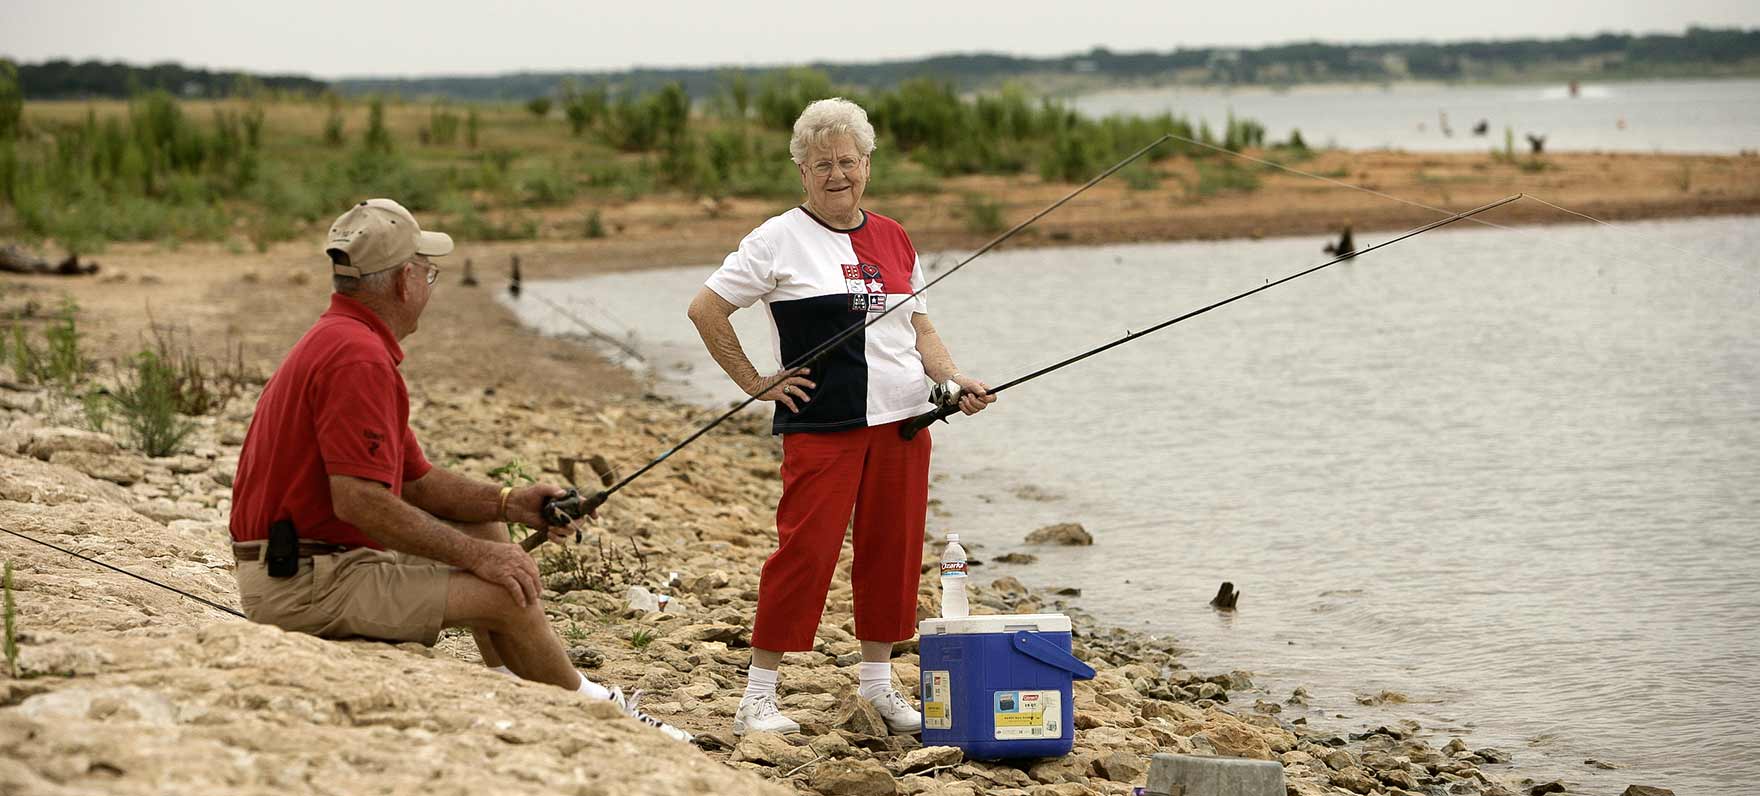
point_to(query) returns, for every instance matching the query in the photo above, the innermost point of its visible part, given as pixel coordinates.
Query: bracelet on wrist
(501, 509)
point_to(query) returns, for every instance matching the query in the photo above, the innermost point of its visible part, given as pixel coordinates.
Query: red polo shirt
(336, 406)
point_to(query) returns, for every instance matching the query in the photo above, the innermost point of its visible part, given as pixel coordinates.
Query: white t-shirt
(816, 282)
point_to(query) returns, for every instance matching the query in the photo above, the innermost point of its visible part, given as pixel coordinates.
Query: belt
(253, 551)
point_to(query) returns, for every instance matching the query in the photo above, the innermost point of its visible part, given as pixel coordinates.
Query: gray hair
(376, 282)
(827, 118)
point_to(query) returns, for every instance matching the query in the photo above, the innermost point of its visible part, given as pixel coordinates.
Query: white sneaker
(628, 704)
(901, 718)
(760, 714)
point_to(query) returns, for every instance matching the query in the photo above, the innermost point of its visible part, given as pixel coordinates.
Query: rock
(1547, 787)
(1355, 780)
(1238, 740)
(223, 471)
(1454, 746)
(1490, 755)
(831, 746)
(1383, 698)
(1010, 586)
(727, 634)
(853, 777)
(1299, 697)
(1016, 558)
(1602, 764)
(640, 599)
(771, 749)
(928, 757)
(1064, 533)
(45, 442)
(859, 716)
(117, 469)
(1120, 766)
(1399, 777)
(1645, 790)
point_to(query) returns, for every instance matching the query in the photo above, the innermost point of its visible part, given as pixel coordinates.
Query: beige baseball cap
(378, 234)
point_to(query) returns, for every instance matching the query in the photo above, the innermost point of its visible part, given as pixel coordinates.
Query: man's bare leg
(521, 635)
(493, 532)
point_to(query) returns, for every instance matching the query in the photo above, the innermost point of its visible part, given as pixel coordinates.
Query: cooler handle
(1031, 645)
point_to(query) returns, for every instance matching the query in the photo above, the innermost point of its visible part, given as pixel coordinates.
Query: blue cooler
(999, 686)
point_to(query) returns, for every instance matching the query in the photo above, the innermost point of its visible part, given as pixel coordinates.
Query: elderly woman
(820, 269)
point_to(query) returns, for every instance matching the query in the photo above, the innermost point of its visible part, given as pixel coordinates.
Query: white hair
(828, 118)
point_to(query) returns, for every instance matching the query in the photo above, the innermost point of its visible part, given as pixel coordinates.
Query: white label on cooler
(1023, 715)
(937, 700)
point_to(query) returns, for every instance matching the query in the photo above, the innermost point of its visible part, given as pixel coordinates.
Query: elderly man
(341, 527)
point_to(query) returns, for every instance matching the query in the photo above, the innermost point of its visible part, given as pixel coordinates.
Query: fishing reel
(572, 505)
(945, 396)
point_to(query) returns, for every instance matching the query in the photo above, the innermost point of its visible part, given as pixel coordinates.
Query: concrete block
(1184, 775)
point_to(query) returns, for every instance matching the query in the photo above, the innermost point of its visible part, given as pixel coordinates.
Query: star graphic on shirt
(876, 286)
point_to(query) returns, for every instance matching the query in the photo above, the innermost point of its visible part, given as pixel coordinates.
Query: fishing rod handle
(909, 428)
(561, 511)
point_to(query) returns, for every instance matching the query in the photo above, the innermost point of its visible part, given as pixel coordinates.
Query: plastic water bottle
(953, 579)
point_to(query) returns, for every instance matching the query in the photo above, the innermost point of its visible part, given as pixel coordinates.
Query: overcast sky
(326, 38)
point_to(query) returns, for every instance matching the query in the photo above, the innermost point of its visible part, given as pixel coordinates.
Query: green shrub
(982, 214)
(539, 106)
(1215, 177)
(442, 126)
(595, 226)
(147, 402)
(378, 139)
(11, 102)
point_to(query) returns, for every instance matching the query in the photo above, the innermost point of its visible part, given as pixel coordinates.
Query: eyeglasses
(433, 270)
(844, 165)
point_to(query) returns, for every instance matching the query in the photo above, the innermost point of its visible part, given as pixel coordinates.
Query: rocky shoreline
(124, 687)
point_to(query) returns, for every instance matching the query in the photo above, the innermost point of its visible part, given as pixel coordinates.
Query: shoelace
(896, 700)
(765, 707)
(629, 704)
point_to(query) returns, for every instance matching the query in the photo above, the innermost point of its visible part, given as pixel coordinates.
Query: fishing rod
(573, 505)
(203, 600)
(592, 332)
(950, 404)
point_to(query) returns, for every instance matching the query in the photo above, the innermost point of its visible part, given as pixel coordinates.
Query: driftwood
(1345, 245)
(1225, 598)
(14, 260)
(513, 286)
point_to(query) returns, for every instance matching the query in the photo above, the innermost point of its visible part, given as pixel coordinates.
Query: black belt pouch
(281, 556)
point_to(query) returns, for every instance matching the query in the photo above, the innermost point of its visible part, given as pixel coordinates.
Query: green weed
(11, 611)
(982, 214)
(147, 401)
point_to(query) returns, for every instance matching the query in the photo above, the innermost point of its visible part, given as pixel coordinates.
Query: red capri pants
(884, 480)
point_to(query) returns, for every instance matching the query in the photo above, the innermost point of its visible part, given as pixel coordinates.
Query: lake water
(1509, 474)
(1700, 116)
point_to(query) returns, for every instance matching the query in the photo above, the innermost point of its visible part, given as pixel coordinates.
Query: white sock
(503, 670)
(761, 682)
(591, 689)
(876, 679)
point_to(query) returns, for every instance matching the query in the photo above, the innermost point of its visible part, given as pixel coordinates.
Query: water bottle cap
(953, 537)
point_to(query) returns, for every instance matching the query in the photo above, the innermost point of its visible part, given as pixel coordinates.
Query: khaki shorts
(361, 593)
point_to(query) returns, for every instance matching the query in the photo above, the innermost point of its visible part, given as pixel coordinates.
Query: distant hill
(1698, 52)
(63, 79)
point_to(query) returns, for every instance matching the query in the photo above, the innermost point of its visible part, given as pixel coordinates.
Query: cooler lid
(998, 623)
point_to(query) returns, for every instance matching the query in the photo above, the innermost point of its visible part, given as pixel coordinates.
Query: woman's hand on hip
(974, 395)
(792, 392)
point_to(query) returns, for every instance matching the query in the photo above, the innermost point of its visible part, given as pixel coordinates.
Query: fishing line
(562, 511)
(202, 600)
(909, 428)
